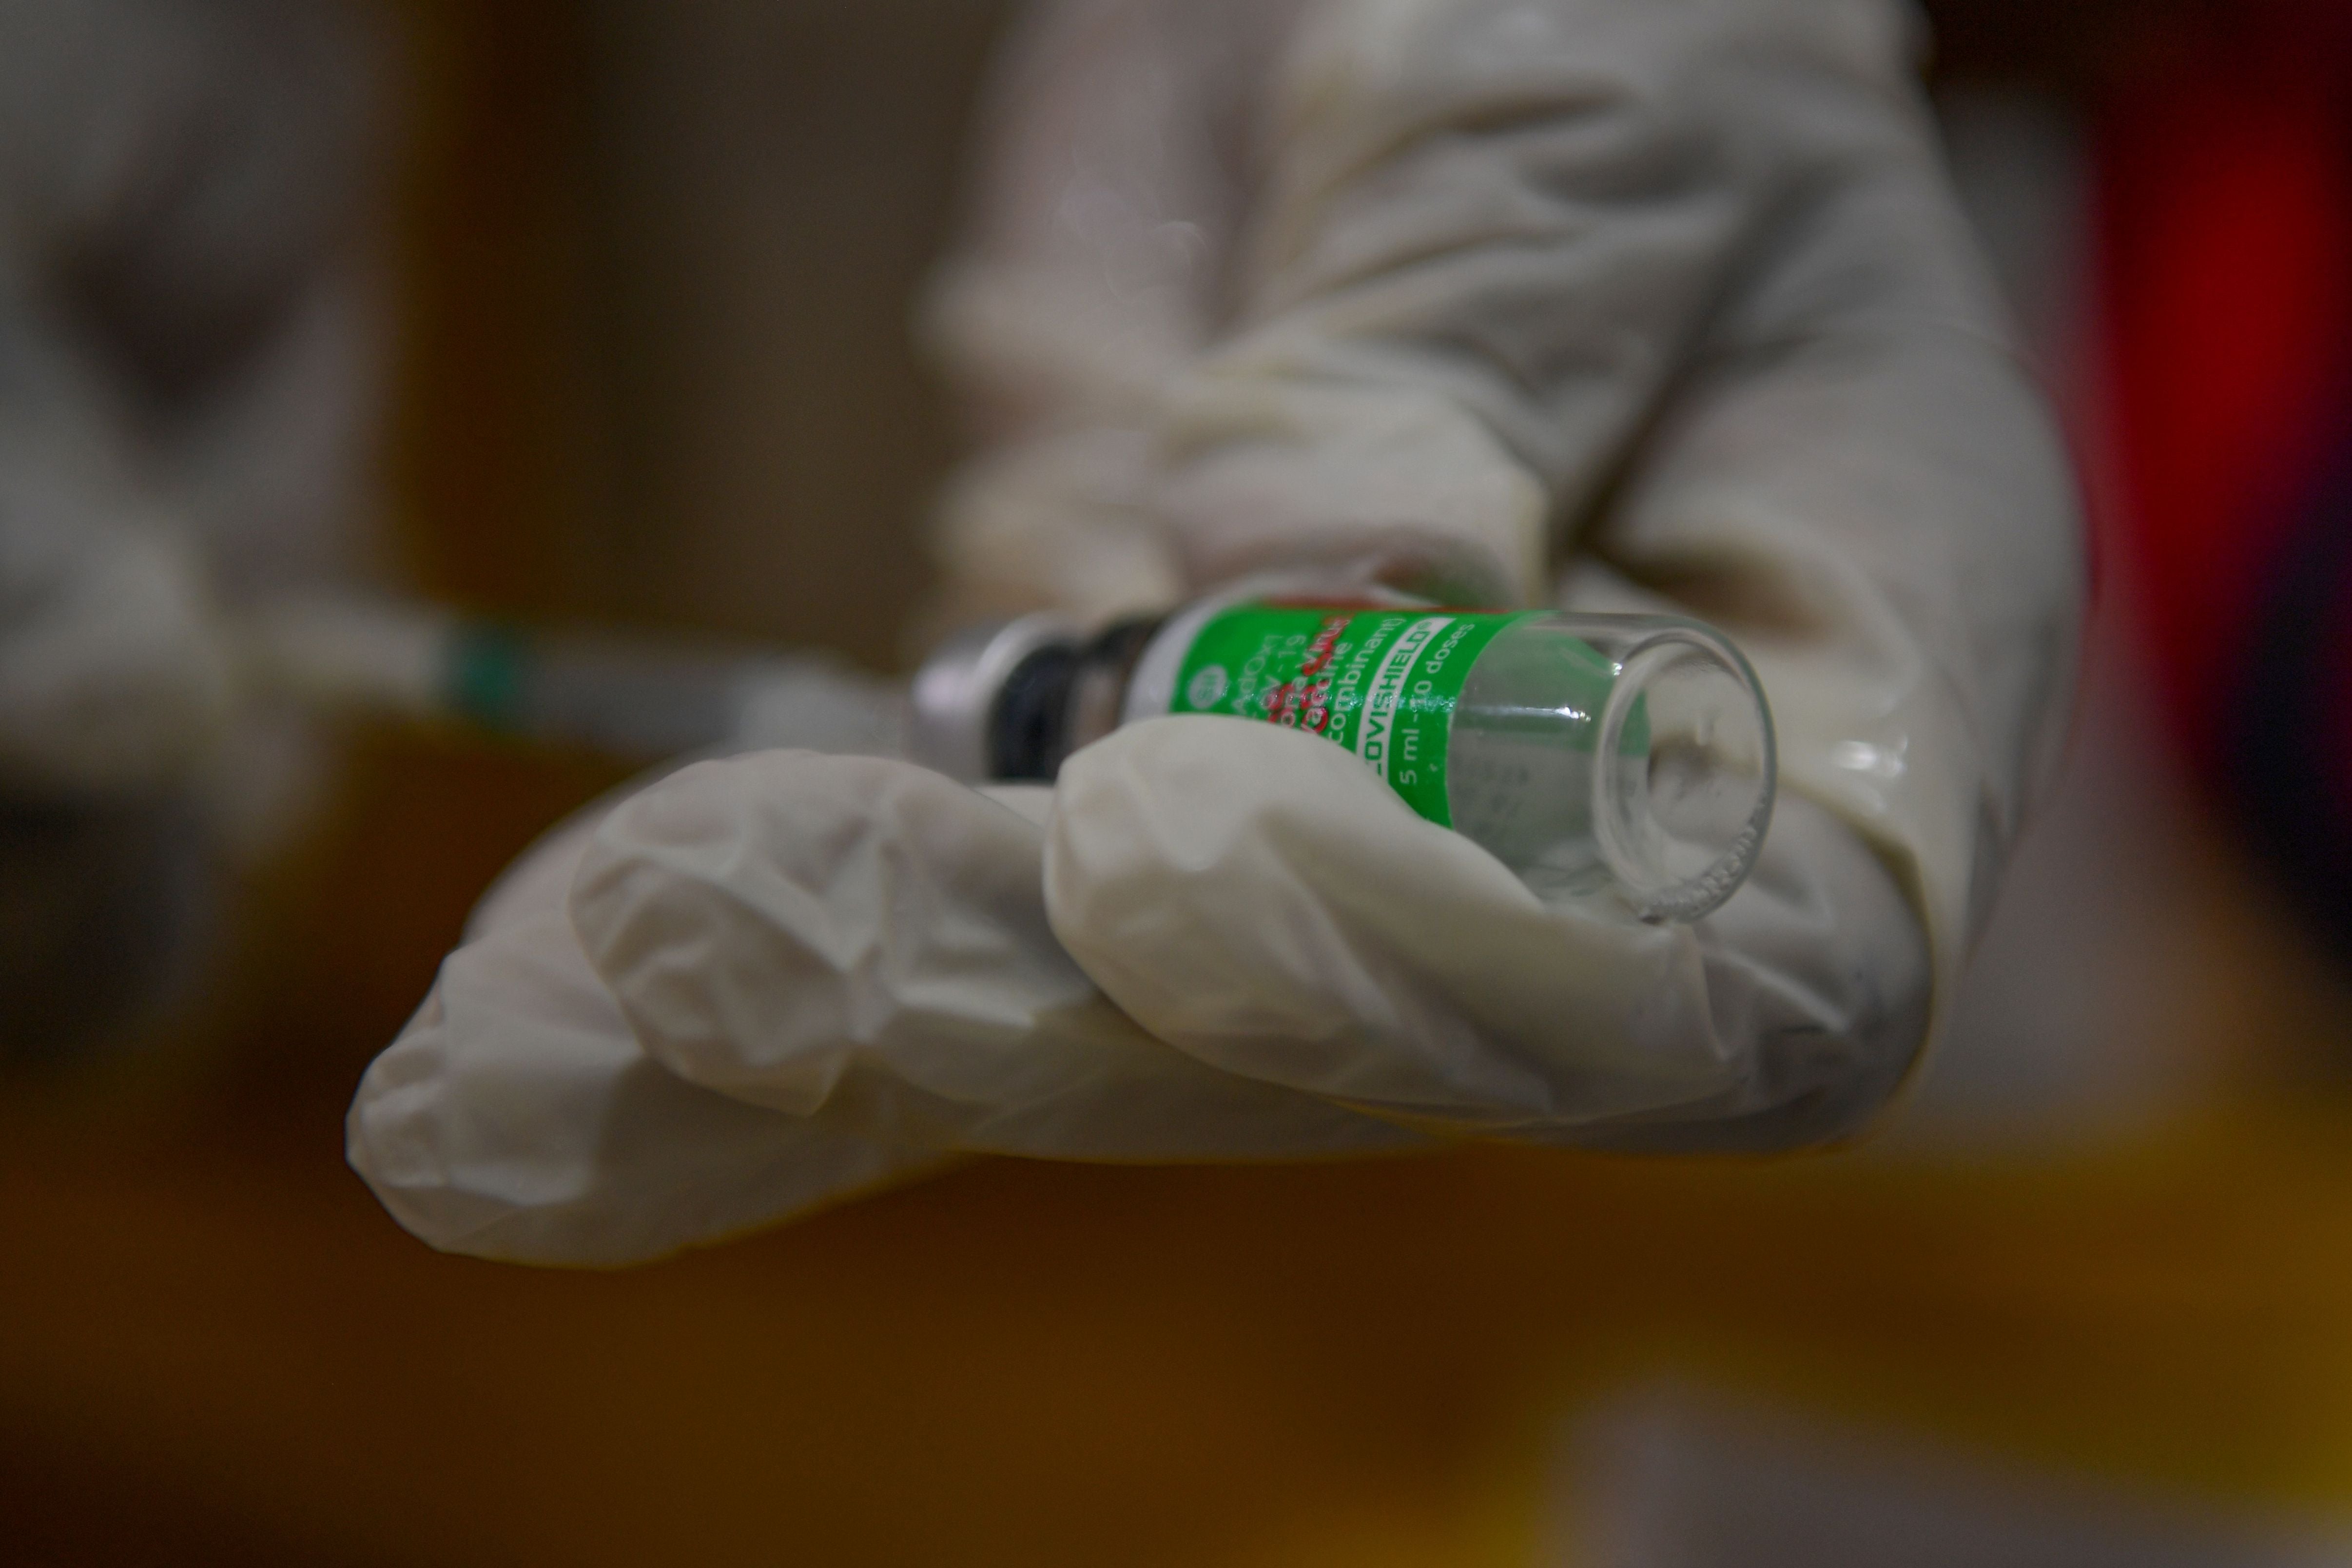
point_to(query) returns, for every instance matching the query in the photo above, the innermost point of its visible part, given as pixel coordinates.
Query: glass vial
(1591, 754)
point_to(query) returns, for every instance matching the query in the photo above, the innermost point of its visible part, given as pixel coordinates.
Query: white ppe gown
(186, 351)
(1603, 303)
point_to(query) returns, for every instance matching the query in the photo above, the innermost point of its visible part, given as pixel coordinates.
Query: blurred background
(639, 278)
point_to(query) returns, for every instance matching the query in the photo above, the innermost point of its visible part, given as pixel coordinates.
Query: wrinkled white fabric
(184, 372)
(833, 972)
(1257, 898)
(861, 940)
(522, 1117)
(1673, 299)
(1595, 302)
(1608, 303)
(518, 1118)
(186, 378)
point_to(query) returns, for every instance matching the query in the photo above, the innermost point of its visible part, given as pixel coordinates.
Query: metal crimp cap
(956, 691)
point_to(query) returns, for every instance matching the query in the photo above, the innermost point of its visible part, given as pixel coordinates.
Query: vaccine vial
(1593, 754)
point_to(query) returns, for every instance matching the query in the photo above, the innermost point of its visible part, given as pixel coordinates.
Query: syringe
(633, 696)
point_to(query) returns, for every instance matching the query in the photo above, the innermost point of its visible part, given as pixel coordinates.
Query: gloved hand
(1631, 306)
(519, 1118)
(1616, 306)
(836, 971)
(911, 1001)
(860, 940)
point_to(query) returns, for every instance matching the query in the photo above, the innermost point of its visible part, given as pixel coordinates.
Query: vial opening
(1685, 777)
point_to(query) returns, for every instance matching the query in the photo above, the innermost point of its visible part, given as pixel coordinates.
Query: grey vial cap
(956, 691)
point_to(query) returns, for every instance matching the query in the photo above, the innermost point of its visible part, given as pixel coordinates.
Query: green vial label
(1382, 683)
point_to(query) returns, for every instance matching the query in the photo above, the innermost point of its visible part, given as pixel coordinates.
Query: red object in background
(2226, 229)
(2225, 232)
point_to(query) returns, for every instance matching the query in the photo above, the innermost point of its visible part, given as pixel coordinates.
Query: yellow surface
(1030, 1364)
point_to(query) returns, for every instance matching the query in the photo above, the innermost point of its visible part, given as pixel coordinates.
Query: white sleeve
(1634, 306)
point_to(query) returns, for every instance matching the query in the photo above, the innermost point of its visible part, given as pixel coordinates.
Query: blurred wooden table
(217, 1349)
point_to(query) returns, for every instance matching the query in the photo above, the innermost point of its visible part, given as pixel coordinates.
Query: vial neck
(1062, 697)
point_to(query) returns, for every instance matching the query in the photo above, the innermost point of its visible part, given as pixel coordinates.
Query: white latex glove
(1635, 305)
(1605, 303)
(859, 941)
(1257, 898)
(518, 1119)
(897, 996)
(786, 979)
(896, 971)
